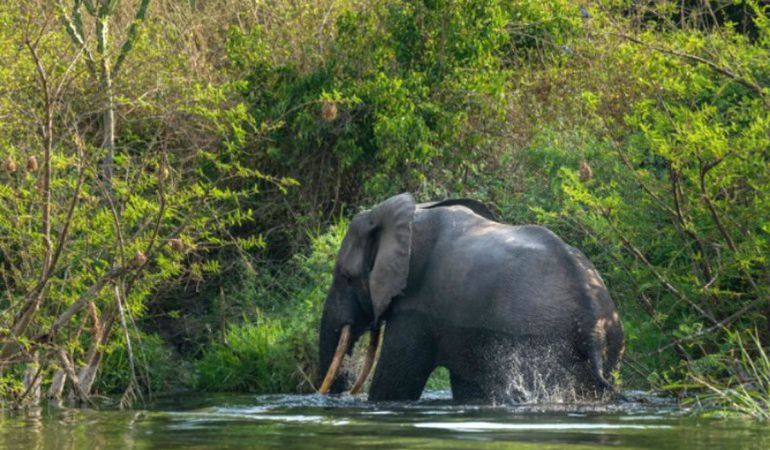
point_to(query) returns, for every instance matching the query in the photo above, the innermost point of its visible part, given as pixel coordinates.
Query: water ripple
(492, 426)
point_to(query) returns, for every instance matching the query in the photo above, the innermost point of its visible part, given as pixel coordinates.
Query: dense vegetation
(176, 176)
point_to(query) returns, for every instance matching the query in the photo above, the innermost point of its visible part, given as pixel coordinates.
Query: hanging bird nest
(9, 165)
(585, 171)
(176, 244)
(329, 110)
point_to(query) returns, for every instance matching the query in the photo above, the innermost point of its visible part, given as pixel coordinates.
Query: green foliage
(639, 134)
(538, 28)
(746, 390)
(11, 384)
(398, 93)
(157, 368)
(277, 352)
(254, 359)
(439, 380)
(677, 205)
(75, 240)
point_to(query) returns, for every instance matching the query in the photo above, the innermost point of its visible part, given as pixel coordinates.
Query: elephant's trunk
(371, 351)
(334, 367)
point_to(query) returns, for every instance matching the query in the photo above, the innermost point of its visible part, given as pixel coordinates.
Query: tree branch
(82, 302)
(751, 84)
(661, 279)
(72, 376)
(74, 27)
(133, 33)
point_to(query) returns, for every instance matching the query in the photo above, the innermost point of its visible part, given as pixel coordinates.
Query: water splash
(539, 374)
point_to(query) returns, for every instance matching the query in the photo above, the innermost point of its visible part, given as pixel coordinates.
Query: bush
(96, 219)
(744, 386)
(254, 359)
(404, 94)
(676, 209)
(157, 368)
(277, 352)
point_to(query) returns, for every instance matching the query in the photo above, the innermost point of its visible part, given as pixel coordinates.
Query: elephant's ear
(387, 279)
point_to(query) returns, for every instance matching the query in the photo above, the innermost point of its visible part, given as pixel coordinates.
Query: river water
(312, 422)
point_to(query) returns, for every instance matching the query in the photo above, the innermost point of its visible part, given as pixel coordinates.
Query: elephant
(455, 287)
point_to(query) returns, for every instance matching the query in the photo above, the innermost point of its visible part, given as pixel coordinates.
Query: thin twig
(81, 302)
(129, 348)
(661, 279)
(751, 84)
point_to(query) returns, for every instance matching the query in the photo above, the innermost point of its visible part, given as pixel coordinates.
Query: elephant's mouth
(339, 354)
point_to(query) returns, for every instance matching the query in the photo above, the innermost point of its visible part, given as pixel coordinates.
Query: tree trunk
(57, 385)
(31, 382)
(108, 141)
(87, 373)
(108, 138)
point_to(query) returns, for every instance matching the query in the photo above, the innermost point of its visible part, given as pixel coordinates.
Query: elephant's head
(372, 268)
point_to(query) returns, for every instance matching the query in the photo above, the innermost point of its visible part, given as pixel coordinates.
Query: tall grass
(255, 358)
(746, 391)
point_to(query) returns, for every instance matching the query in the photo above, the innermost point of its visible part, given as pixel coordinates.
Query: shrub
(744, 388)
(157, 368)
(255, 358)
(677, 209)
(278, 351)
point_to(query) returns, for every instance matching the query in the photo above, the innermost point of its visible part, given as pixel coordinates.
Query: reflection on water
(312, 421)
(483, 426)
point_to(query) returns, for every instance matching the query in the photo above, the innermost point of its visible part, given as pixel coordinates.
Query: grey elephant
(456, 288)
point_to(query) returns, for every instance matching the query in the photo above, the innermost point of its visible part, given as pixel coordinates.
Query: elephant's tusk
(334, 367)
(371, 351)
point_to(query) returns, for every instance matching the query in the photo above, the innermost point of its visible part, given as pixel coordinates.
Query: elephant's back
(492, 275)
(487, 282)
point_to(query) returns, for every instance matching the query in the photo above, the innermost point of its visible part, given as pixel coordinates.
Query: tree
(99, 59)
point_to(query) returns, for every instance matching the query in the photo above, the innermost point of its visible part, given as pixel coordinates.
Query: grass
(277, 352)
(747, 389)
(439, 380)
(157, 368)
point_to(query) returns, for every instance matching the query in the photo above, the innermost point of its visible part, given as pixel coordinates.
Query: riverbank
(175, 176)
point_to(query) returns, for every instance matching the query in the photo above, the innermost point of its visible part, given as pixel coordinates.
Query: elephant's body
(479, 291)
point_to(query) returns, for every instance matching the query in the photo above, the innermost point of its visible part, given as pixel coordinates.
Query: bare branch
(74, 27)
(129, 348)
(82, 302)
(133, 33)
(749, 83)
